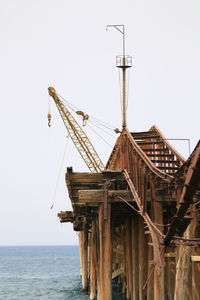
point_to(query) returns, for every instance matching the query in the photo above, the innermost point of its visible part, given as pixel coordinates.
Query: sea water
(41, 272)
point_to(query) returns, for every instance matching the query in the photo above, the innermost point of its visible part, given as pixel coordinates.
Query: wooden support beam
(143, 260)
(66, 216)
(129, 258)
(80, 238)
(195, 261)
(135, 256)
(150, 279)
(195, 258)
(98, 196)
(159, 278)
(84, 242)
(105, 205)
(93, 261)
(105, 270)
(124, 284)
(183, 271)
(170, 255)
(151, 266)
(170, 274)
(95, 196)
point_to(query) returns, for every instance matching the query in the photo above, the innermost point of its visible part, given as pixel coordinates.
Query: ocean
(42, 273)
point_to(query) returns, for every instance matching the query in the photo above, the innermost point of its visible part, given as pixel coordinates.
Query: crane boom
(78, 136)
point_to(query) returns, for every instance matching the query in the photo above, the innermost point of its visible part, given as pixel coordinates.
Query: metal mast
(123, 61)
(78, 136)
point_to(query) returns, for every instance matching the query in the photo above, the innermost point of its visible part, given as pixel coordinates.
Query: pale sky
(64, 44)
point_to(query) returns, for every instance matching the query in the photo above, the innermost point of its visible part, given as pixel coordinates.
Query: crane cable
(75, 109)
(103, 124)
(59, 173)
(100, 136)
(93, 123)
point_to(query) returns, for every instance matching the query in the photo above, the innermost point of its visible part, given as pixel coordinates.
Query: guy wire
(59, 174)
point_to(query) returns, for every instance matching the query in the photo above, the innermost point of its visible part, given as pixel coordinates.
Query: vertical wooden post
(123, 228)
(196, 265)
(150, 283)
(182, 286)
(159, 278)
(195, 279)
(128, 252)
(135, 257)
(169, 272)
(143, 260)
(93, 261)
(84, 237)
(105, 272)
(182, 274)
(157, 217)
(80, 252)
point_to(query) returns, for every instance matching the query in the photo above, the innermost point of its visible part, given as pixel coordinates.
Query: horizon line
(49, 245)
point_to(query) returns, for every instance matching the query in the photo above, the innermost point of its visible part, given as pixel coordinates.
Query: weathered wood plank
(93, 196)
(195, 258)
(170, 255)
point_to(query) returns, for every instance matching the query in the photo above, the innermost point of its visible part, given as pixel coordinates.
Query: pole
(124, 94)
(124, 64)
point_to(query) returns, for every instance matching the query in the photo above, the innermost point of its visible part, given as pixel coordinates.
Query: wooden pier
(139, 221)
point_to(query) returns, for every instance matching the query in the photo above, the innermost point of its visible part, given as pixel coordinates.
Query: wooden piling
(135, 256)
(128, 254)
(159, 278)
(182, 271)
(196, 264)
(150, 279)
(105, 272)
(93, 261)
(84, 242)
(143, 254)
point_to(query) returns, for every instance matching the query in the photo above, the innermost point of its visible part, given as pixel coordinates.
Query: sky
(65, 44)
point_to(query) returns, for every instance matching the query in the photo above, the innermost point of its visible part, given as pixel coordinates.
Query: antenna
(122, 61)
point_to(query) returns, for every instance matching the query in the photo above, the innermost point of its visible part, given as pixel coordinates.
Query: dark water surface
(41, 272)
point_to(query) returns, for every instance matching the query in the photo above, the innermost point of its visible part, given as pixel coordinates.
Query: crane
(78, 136)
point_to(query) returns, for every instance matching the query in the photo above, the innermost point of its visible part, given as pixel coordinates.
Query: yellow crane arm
(78, 136)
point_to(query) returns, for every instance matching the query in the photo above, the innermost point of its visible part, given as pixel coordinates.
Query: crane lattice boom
(78, 136)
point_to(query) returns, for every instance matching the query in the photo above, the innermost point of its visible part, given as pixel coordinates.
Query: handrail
(171, 148)
(146, 160)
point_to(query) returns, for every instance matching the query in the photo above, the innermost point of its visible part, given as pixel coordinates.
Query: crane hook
(49, 119)
(85, 116)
